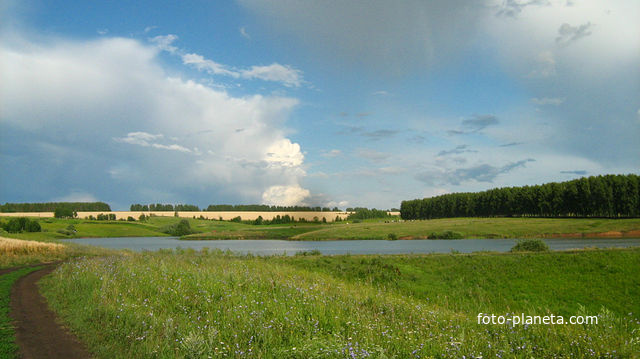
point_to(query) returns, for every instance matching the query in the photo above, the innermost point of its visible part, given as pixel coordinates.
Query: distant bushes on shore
(611, 196)
(445, 235)
(52, 206)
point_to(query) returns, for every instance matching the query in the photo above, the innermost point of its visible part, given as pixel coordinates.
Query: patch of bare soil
(38, 334)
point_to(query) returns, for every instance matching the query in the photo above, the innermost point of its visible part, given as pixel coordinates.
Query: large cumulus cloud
(103, 117)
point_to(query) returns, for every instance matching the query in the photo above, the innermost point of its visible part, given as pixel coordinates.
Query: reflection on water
(270, 247)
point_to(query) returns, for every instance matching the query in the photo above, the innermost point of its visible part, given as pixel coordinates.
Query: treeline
(286, 219)
(611, 196)
(165, 207)
(52, 206)
(366, 213)
(266, 208)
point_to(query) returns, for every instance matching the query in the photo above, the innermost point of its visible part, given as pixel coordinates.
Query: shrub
(392, 236)
(179, 229)
(16, 225)
(530, 245)
(313, 252)
(33, 226)
(445, 235)
(131, 219)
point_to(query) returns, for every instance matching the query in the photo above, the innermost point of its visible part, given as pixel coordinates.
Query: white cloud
(147, 140)
(209, 66)
(139, 138)
(113, 93)
(244, 33)
(173, 147)
(275, 72)
(289, 76)
(555, 101)
(284, 153)
(285, 195)
(164, 42)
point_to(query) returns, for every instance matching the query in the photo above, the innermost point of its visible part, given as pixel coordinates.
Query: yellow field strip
(9, 246)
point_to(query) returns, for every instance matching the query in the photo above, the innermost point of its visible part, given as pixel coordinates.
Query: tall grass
(197, 304)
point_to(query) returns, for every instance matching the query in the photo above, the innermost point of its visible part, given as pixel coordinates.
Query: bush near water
(530, 245)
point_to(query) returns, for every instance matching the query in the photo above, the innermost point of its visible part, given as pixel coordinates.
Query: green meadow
(54, 229)
(188, 304)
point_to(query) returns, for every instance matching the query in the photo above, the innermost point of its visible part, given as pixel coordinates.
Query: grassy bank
(53, 229)
(8, 347)
(198, 304)
(437, 228)
(560, 282)
(475, 228)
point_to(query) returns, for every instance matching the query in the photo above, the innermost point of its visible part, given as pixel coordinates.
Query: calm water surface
(270, 247)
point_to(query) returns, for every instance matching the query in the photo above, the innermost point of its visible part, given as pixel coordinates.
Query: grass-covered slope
(53, 229)
(196, 304)
(475, 228)
(560, 282)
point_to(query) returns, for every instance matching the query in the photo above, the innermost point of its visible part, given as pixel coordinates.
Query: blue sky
(327, 103)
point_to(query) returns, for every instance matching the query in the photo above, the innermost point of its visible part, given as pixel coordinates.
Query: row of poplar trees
(611, 196)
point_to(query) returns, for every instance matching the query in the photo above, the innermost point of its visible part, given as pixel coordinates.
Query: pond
(271, 247)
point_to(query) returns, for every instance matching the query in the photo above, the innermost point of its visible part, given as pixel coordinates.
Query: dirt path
(37, 333)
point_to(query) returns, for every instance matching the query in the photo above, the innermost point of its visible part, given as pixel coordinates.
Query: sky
(323, 103)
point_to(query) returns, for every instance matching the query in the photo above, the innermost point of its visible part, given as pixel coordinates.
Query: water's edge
(419, 246)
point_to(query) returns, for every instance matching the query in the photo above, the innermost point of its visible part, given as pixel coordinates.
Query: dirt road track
(37, 333)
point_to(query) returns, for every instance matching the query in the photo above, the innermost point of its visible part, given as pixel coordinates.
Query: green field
(8, 347)
(473, 228)
(467, 227)
(198, 304)
(369, 229)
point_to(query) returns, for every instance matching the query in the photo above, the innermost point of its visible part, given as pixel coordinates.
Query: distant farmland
(309, 216)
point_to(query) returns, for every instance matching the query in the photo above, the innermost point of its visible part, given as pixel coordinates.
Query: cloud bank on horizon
(336, 104)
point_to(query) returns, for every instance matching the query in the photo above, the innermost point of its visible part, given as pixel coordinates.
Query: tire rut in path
(37, 333)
